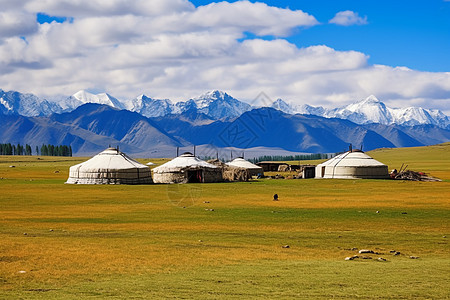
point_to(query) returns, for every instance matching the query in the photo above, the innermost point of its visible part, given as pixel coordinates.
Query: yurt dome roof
(110, 159)
(352, 159)
(185, 161)
(242, 163)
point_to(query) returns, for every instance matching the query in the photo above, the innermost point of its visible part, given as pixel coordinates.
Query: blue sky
(412, 33)
(317, 52)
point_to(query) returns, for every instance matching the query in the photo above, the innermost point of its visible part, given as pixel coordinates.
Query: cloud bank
(348, 18)
(172, 49)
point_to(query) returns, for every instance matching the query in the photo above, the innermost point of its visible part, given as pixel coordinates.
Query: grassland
(225, 241)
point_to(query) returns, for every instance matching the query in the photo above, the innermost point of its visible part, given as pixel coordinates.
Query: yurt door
(195, 176)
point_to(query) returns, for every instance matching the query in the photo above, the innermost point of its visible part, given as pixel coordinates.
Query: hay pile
(414, 176)
(230, 173)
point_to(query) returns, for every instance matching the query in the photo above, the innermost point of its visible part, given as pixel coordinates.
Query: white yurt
(352, 164)
(110, 167)
(231, 173)
(242, 163)
(187, 168)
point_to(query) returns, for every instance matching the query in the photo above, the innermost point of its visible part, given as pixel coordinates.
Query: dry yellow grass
(79, 234)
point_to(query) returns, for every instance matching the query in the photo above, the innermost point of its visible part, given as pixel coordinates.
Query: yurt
(110, 167)
(187, 168)
(242, 163)
(231, 173)
(352, 164)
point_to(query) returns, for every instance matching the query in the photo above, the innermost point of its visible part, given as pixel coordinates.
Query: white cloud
(96, 8)
(8, 5)
(258, 18)
(178, 53)
(347, 18)
(15, 23)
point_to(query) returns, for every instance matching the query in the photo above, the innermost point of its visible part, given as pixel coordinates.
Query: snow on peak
(15, 103)
(285, 107)
(411, 116)
(142, 97)
(370, 99)
(205, 99)
(6, 104)
(150, 107)
(311, 110)
(304, 109)
(214, 95)
(369, 110)
(102, 98)
(372, 110)
(216, 104)
(84, 96)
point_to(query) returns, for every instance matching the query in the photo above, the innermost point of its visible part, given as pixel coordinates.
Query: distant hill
(89, 129)
(92, 127)
(434, 159)
(304, 133)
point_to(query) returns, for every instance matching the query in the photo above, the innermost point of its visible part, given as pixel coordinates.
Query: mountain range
(215, 104)
(218, 105)
(91, 128)
(371, 110)
(214, 121)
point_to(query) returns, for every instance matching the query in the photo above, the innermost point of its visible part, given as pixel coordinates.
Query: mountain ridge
(371, 110)
(220, 105)
(93, 127)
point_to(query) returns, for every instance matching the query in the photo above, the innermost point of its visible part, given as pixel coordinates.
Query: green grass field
(225, 240)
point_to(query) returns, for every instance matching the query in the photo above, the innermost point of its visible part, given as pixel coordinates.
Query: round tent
(242, 163)
(187, 168)
(352, 164)
(110, 167)
(231, 173)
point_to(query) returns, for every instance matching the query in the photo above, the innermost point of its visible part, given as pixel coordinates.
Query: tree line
(45, 150)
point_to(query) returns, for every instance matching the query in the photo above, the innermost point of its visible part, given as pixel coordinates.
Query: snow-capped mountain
(216, 104)
(92, 127)
(152, 108)
(83, 97)
(416, 115)
(219, 105)
(15, 103)
(371, 110)
(291, 109)
(68, 104)
(306, 109)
